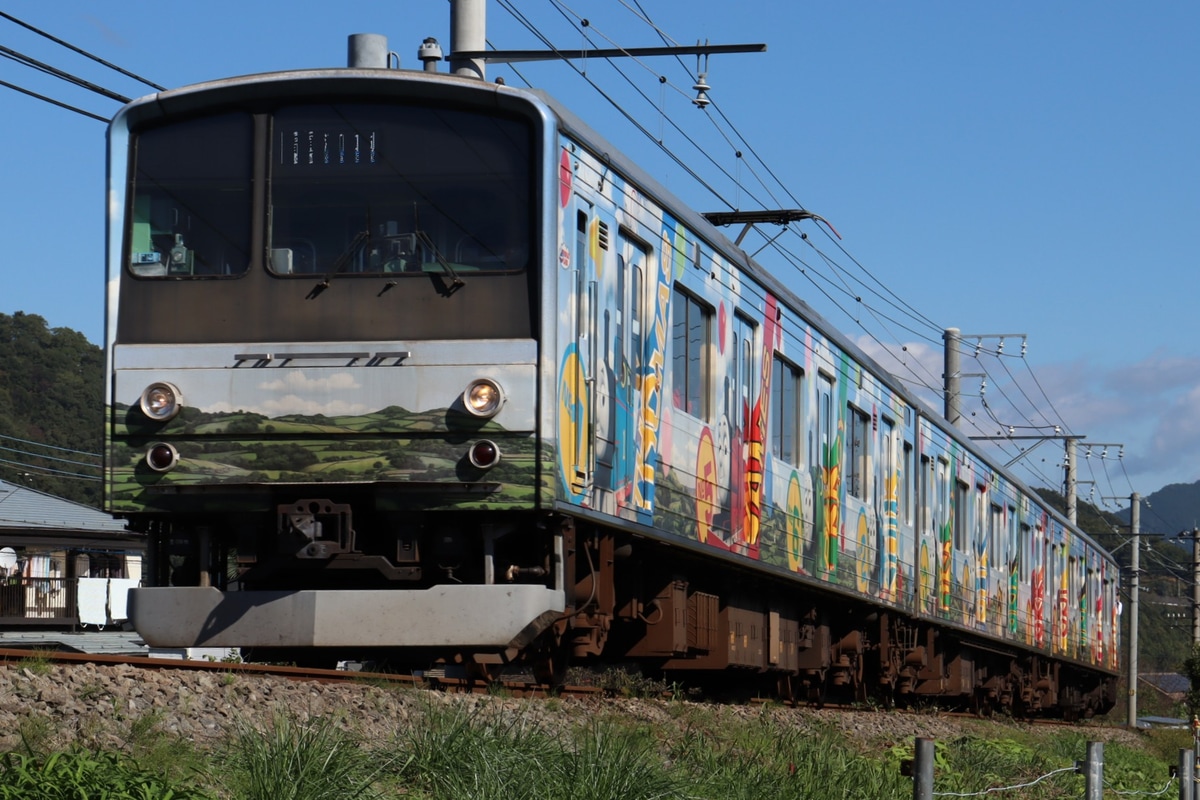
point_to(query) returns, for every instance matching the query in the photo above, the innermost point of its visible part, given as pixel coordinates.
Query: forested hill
(51, 408)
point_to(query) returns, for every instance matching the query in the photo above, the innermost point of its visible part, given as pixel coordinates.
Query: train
(410, 363)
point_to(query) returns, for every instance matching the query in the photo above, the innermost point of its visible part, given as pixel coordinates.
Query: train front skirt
(484, 616)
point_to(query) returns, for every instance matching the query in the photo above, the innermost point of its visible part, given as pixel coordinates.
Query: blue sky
(1017, 168)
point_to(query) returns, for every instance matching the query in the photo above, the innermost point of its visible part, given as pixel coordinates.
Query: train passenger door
(828, 456)
(632, 257)
(579, 370)
(926, 556)
(744, 371)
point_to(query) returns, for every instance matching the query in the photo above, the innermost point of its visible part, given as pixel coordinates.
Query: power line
(56, 472)
(49, 458)
(53, 102)
(41, 66)
(50, 446)
(80, 51)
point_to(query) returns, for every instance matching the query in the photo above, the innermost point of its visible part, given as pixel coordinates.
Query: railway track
(435, 680)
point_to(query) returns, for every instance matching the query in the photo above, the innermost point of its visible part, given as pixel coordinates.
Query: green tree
(51, 408)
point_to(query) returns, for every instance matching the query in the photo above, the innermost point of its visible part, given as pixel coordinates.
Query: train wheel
(549, 664)
(786, 689)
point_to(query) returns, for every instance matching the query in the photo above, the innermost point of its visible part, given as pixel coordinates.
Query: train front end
(323, 341)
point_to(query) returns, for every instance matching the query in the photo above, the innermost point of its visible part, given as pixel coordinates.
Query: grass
(293, 760)
(501, 748)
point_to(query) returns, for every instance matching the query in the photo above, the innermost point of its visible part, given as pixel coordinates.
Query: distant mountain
(51, 408)
(1172, 510)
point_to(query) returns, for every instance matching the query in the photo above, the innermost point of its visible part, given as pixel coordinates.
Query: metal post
(950, 378)
(1135, 509)
(1195, 587)
(1187, 774)
(1072, 513)
(923, 769)
(1093, 774)
(468, 33)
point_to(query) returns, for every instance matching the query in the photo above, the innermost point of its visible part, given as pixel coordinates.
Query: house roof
(1167, 682)
(27, 510)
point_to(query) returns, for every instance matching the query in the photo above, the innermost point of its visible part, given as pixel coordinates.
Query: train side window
(691, 354)
(825, 455)
(742, 370)
(962, 515)
(786, 412)
(943, 495)
(889, 468)
(996, 536)
(906, 485)
(1014, 543)
(190, 200)
(856, 452)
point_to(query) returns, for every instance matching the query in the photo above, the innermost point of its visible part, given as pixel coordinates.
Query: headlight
(483, 398)
(161, 401)
(484, 454)
(162, 457)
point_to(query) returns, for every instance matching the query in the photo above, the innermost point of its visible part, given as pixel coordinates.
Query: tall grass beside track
(452, 751)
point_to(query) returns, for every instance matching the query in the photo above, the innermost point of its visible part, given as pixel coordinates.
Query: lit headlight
(161, 401)
(483, 398)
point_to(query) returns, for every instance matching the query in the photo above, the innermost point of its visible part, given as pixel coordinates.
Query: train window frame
(824, 458)
(996, 532)
(395, 243)
(887, 456)
(962, 516)
(1012, 533)
(857, 452)
(1026, 549)
(786, 414)
(691, 354)
(906, 489)
(943, 495)
(160, 243)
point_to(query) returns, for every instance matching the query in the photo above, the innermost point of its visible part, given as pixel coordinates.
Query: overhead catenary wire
(80, 51)
(41, 66)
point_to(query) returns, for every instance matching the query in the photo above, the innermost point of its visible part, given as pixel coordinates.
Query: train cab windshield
(352, 188)
(192, 216)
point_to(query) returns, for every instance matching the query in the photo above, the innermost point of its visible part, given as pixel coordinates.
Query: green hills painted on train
(389, 445)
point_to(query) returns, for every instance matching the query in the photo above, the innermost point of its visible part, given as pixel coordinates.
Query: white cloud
(1151, 407)
(293, 404)
(297, 381)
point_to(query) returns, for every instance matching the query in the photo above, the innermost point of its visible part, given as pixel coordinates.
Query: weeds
(77, 773)
(295, 761)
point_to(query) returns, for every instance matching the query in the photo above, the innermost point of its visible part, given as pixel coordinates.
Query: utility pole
(952, 373)
(1135, 522)
(1195, 587)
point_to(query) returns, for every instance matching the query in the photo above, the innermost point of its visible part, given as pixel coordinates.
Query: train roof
(194, 98)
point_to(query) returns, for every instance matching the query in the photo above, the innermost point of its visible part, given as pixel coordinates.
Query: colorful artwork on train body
(715, 477)
(1037, 604)
(573, 422)
(706, 489)
(891, 517)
